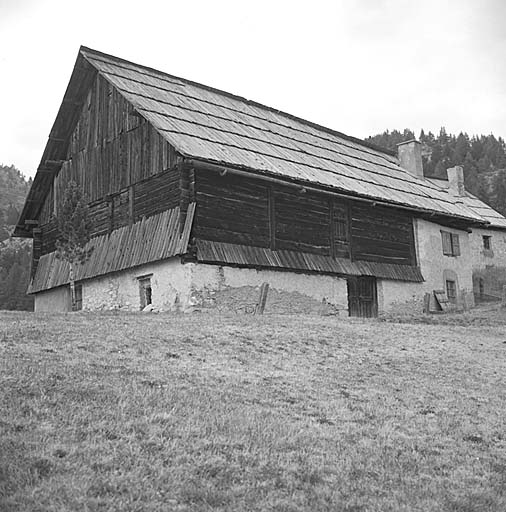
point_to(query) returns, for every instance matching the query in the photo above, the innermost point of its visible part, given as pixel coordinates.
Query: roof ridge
(351, 138)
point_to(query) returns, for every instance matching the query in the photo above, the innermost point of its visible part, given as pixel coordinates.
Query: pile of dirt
(245, 298)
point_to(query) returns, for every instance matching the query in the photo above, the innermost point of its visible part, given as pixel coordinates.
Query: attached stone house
(195, 193)
(487, 244)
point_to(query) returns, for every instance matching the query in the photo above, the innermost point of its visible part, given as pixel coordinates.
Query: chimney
(456, 180)
(410, 157)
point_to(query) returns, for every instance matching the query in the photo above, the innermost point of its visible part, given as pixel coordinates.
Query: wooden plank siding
(301, 221)
(231, 209)
(247, 212)
(150, 239)
(125, 168)
(381, 234)
(111, 148)
(263, 257)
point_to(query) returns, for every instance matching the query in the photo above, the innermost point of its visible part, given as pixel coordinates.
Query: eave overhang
(55, 151)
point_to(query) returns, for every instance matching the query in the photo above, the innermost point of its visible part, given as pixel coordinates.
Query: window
(79, 297)
(487, 242)
(451, 290)
(145, 291)
(451, 244)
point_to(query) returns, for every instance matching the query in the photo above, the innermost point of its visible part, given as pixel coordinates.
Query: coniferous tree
(471, 179)
(11, 215)
(461, 149)
(74, 229)
(499, 187)
(12, 284)
(481, 156)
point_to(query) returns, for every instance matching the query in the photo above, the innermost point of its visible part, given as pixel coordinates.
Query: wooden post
(131, 194)
(465, 301)
(262, 299)
(36, 250)
(272, 220)
(426, 303)
(72, 287)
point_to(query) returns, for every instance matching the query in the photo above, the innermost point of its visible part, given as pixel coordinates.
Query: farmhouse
(194, 191)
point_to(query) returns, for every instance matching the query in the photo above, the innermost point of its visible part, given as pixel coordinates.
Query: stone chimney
(410, 157)
(456, 181)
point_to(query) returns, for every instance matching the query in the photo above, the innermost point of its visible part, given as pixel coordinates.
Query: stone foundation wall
(234, 289)
(193, 286)
(400, 297)
(169, 282)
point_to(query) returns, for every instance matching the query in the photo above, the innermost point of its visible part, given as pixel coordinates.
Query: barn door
(362, 296)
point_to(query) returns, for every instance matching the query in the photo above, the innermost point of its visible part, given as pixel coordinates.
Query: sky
(357, 66)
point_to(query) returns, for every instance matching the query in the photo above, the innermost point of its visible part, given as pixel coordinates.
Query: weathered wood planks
(247, 212)
(263, 257)
(149, 239)
(111, 148)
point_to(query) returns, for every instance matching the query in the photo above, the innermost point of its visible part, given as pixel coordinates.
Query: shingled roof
(481, 209)
(216, 127)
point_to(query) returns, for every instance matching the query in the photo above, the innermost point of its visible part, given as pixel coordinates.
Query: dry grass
(482, 315)
(201, 412)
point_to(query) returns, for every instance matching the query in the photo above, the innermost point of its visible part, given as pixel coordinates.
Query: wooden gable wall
(125, 168)
(238, 210)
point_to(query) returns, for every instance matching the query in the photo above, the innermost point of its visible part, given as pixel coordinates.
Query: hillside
(483, 158)
(13, 190)
(288, 413)
(14, 254)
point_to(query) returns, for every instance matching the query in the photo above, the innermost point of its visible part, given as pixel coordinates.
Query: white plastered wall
(482, 257)
(210, 281)
(435, 265)
(177, 286)
(489, 266)
(185, 287)
(400, 296)
(120, 290)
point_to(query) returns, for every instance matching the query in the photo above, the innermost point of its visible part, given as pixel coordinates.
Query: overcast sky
(359, 67)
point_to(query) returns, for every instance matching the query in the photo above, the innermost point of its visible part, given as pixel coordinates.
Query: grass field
(161, 412)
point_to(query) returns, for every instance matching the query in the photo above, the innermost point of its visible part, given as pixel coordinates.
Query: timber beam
(54, 162)
(227, 169)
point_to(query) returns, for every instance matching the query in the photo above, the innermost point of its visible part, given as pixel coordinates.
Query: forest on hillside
(483, 158)
(15, 254)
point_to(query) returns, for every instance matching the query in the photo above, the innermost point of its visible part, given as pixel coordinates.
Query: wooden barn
(195, 193)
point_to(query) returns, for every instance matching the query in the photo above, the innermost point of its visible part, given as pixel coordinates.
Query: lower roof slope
(480, 209)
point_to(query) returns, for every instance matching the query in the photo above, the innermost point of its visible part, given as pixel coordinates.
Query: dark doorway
(362, 296)
(145, 291)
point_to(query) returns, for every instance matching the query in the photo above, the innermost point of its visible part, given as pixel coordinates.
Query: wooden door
(362, 296)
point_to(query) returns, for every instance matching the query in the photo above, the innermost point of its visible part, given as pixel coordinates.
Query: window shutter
(340, 218)
(341, 230)
(447, 242)
(455, 245)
